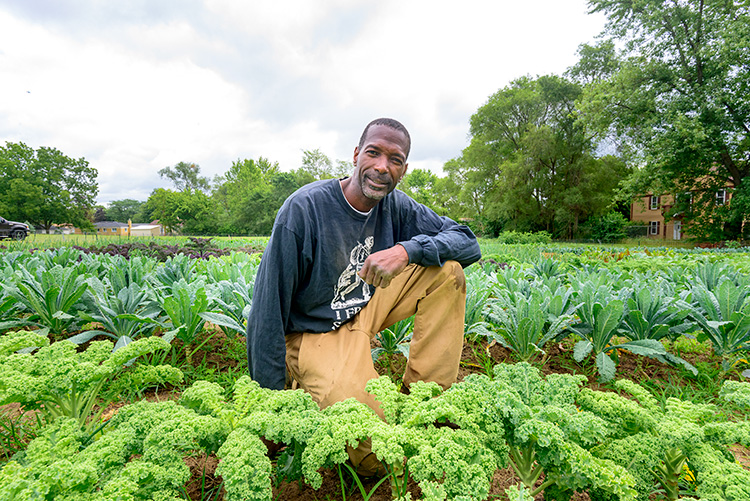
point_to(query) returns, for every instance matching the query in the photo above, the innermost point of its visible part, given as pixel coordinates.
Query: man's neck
(348, 190)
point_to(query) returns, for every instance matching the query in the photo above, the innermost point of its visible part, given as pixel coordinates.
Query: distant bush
(516, 237)
(609, 228)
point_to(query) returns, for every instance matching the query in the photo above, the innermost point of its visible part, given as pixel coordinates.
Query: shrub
(609, 228)
(516, 237)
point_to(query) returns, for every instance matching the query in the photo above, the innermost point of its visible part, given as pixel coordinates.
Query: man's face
(380, 164)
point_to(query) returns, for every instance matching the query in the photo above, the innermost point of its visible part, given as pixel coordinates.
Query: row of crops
(78, 327)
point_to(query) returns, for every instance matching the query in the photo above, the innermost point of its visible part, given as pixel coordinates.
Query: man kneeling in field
(348, 258)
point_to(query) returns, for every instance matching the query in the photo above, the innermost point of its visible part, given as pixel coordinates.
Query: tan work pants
(336, 365)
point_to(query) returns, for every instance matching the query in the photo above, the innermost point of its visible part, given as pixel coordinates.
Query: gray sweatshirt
(307, 280)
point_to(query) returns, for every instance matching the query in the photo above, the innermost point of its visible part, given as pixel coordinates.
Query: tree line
(658, 105)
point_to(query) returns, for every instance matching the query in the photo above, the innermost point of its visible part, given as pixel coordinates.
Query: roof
(110, 224)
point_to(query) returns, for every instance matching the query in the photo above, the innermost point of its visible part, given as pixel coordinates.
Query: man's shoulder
(315, 192)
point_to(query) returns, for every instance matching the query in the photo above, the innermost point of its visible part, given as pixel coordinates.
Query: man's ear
(406, 168)
(356, 154)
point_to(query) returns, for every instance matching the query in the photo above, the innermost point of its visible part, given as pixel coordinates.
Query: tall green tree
(251, 192)
(186, 176)
(122, 210)
(190, 212)
(46, 187)
(679, 97)
(320, 166)
(531, 164)
(426, 188)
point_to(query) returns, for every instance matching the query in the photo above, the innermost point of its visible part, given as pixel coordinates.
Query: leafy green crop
(50, 297)
(724, 316)
(56, 380)
(658, 446)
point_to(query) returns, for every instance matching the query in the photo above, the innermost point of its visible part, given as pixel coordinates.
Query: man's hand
(382, 266)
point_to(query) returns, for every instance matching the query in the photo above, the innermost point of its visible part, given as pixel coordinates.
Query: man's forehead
(379, 135)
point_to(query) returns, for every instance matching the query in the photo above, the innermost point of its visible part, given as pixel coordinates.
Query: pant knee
(452, 270)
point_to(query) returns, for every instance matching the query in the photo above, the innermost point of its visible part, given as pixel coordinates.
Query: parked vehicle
(13, 229)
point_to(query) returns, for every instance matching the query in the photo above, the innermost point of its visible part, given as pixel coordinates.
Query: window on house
(653, 228)
(721, 197)
(654, 202)
(113, 230)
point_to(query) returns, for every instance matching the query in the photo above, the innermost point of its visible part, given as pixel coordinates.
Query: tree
(186, 176)
(251, 192)
(46, 187)
(190, 212)
(531, 165)
(100, 214)
(320, 166)
(679, 97)
(423, 186)
(122, 210)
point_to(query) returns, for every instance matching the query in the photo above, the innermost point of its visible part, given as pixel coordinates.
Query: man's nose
(381, 164)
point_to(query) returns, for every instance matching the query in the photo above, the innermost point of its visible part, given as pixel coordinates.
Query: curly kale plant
(661, 447)
(57, 381)
(453, 462)
(548, 434)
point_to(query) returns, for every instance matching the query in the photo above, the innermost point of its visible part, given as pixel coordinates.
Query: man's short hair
(388, 122)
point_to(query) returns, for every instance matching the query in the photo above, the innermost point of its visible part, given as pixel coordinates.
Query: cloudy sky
(137, 85)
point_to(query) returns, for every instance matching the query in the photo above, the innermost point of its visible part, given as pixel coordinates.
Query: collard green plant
(184, 305)
(546, 267)
(392, 340)
(119, 273)
(525, 324)
(711, 274)
(479, 288)
(651, 314)
(233, 299)
(175, 269)
(51, 297)
(724, 317)
(601, 318)
(114, 310)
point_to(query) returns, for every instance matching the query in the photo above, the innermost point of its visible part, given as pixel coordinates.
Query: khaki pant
(336, 365)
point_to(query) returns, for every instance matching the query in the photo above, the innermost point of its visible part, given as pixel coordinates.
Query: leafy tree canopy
(186, 176)
(46, 187)
(320, 166)
(677, 96)
(122, 210)
(531, 164)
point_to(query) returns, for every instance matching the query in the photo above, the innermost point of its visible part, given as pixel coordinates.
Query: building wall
(649, 209)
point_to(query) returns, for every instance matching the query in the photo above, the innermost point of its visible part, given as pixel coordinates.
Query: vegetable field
(588, 373)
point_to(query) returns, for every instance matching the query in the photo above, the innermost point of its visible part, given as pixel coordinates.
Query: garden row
(557, 435)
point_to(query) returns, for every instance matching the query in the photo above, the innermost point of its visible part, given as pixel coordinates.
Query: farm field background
(123, 375)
